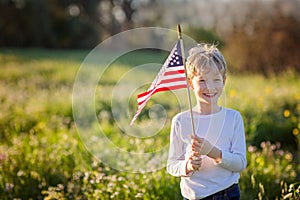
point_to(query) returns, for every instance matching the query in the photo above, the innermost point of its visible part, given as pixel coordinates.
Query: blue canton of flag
(175, 59)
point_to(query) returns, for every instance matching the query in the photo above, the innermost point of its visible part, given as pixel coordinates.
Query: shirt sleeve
(235, 160)
(176, 164)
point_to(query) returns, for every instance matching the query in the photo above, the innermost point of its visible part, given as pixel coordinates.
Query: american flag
(170, 77)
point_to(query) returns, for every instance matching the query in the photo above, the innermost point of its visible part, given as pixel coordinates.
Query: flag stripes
(170, 77)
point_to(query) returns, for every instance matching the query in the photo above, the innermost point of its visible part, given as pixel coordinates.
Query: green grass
(42, 156)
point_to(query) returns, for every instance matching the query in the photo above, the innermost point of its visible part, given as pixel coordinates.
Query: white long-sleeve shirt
(225, 130)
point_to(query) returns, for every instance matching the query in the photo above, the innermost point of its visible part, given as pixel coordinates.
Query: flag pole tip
(179, 31)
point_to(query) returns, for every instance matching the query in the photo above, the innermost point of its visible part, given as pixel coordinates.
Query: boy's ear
(224, 80)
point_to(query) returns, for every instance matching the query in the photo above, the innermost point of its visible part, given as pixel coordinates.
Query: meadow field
(42, 156)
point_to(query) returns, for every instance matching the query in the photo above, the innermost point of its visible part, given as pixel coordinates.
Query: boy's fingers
(197, 139)
(196, 164)
(195, 153)
(197, 158)
(192, 136)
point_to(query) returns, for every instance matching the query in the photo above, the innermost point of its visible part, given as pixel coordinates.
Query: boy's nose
(210, 86)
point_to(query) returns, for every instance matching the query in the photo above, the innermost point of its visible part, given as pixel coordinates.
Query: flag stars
(174, 60)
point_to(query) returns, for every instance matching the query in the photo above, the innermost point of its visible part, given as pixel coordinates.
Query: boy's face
(208, 87)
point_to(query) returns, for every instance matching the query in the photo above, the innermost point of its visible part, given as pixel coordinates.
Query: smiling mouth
(210, 95)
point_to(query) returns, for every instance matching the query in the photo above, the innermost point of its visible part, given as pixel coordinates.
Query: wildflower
(139, 195)
(295, 131)
(9, 186)
(121, 178)
(20, 173)
(232, 93)
(288, 156)
(286, 113)
(280, 152)
(273, 147)
(114, 195)
(263, 145)
(60, 187)
(251, 149)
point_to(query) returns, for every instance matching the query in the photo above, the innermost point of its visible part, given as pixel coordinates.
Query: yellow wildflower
(295, 131)
(286, 113)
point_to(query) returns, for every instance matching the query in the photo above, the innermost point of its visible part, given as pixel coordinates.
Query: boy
(208, 162)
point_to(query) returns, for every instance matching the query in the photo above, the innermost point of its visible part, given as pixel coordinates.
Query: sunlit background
(43, 43)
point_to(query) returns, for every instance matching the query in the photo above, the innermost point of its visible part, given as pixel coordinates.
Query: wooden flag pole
(186, 78)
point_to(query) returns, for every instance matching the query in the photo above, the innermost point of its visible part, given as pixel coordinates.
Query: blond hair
(204, 57)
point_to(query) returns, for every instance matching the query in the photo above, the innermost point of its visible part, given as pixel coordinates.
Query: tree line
(61, 23)
(262, 36)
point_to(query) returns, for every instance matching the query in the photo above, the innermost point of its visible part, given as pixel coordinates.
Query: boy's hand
(204, 147)
(194, 163)
(201, 145)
